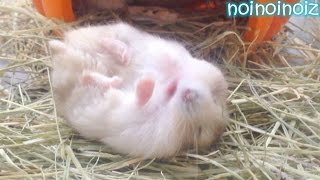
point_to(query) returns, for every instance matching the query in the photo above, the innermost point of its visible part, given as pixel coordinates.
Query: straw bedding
(274, 107)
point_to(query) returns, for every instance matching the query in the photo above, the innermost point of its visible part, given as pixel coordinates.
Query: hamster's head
(201, 94)
(189, 109)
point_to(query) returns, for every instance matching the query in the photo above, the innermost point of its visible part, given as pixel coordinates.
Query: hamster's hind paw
(118, 49)
(89, 78)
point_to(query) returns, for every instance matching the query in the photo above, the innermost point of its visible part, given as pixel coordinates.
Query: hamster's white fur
(138, 93)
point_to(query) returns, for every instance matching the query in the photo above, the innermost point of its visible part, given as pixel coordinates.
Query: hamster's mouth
(188, 95)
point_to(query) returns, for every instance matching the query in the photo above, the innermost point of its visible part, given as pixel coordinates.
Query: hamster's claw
(57, 46)
(116, 82)
(118, 49)
(100, 80)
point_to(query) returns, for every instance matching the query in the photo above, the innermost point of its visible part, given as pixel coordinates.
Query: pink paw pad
(144, 90)
(172, 88)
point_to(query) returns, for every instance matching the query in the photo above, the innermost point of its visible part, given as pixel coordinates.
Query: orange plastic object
(264, 28)
(60, 9)
(259, 28)
(275, 27)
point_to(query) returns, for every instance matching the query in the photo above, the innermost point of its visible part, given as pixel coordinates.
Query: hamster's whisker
(182, 127)
(196, 147)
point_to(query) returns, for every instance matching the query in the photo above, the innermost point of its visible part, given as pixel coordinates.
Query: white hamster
(140, 94)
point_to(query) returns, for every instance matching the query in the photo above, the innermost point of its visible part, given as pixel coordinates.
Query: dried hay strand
(274, 107)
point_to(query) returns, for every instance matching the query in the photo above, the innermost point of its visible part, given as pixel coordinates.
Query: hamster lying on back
(140, 94)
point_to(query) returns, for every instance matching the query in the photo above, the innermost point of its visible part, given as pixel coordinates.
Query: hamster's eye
(213, 97)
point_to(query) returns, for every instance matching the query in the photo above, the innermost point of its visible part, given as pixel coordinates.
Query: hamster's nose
(189, 95)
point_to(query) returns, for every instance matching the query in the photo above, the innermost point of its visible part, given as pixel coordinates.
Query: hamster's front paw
(118, 49)
(99, 80)
(144, 90)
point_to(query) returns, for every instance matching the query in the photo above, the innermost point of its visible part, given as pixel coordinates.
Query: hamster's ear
(144, 90)
(56, 46)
